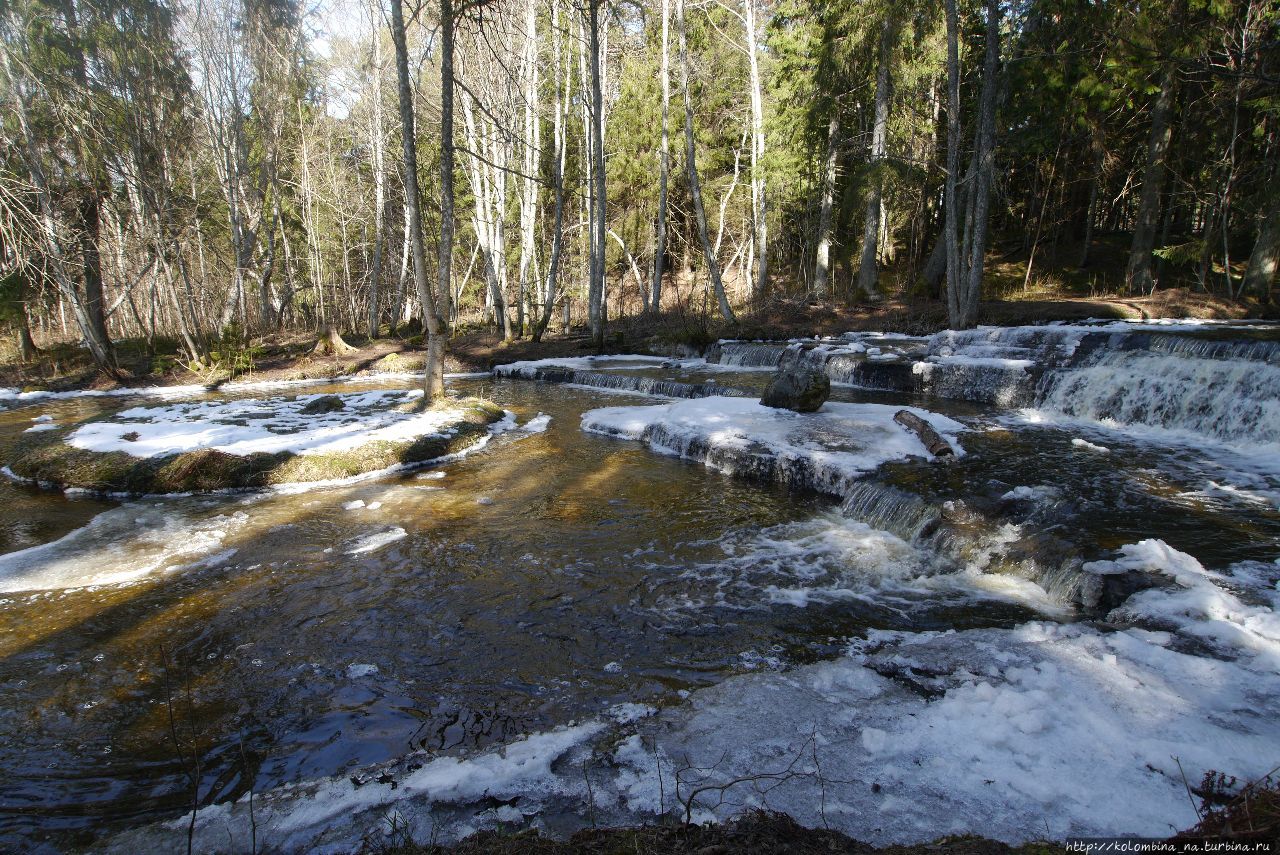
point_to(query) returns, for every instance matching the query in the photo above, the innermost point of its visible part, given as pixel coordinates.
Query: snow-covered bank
(255, 444)
(824, 451)
(301, 425)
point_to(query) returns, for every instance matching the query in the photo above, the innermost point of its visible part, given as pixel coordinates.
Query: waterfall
(1232, 399)
(747, 354)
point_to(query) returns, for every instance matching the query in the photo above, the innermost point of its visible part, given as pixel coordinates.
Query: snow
(353, 505)
(839, 442)
(270, 426)
(41, 427)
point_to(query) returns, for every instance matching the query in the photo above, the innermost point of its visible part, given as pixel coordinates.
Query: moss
(47, 458)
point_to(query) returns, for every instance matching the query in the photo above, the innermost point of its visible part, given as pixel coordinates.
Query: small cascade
(890, 509)
(621, 382)
(1232, 400)
(746, 354)
(990, 380)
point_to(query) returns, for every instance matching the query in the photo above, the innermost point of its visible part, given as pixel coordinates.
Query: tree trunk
(378, 139)
(664, 166)
(532, 143)
(557, 229)
(868, 274)
(1265, 259)
(330, 343)
(695, 189)
(822, 265)
(433, 382)
(1138, 278)
(759, 200)
(597, 288)
(950, 225)
(984, 156)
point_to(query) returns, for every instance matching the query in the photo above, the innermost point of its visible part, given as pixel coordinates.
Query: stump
(330, 343)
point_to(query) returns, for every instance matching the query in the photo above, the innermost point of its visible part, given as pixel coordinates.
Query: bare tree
(664, 164)
(868, 275)
(822, 266)
(691, 161)
(433, 382)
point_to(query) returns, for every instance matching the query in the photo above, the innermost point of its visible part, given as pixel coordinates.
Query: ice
(374, 541)
(1043, 730)
(824, 451)
(1200, 606)
(335, 814)
(357, 670)
(1089, 446)
(354, 504)
(537, 424)
(123, 545)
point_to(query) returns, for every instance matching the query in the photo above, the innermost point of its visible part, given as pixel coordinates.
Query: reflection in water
(266, 639)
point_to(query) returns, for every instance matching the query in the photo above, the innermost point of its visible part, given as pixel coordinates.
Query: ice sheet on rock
(537, 424)
(1200, 605)
(838, 443)
(335, 814)
(269, 426)
(616, 362)
(121, 545)
(1015, 734)
(374, 541)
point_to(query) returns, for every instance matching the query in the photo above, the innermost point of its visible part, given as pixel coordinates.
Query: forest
(203, 170)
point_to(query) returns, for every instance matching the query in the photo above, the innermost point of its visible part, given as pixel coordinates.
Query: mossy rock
(324, 404)
(46, 458)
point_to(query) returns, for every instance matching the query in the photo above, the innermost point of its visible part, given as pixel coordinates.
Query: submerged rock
(804, 390)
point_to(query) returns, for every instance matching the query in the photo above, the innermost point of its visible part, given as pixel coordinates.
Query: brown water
(539, 581)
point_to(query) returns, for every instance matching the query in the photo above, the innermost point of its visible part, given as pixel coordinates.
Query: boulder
(801, 389)
(324, 404)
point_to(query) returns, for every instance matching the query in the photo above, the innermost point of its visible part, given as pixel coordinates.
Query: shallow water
(245, 642)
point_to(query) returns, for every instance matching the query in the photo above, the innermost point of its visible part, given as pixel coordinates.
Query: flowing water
(242, 642)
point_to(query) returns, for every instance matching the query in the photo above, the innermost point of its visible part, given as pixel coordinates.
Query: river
(156, 647)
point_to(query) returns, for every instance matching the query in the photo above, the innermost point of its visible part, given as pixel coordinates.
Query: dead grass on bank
(757, 833)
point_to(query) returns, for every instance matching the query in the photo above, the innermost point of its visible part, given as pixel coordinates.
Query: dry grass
(759, 833)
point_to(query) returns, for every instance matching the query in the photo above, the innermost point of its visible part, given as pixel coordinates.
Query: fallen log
(933, 441)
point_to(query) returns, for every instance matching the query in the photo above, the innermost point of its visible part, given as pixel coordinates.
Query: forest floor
(293, 356)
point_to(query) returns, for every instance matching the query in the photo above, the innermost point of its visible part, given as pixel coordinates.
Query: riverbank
(281, 357)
